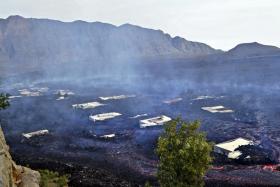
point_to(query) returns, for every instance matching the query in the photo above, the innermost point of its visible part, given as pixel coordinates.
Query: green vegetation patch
(53, 179)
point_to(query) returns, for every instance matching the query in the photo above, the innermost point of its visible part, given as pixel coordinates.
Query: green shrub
(184, 155)
(53, 179)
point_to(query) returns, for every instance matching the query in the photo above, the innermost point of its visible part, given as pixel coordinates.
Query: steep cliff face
(42, 40)
(12, 175)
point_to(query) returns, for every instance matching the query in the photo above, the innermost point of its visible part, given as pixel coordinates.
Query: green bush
(4, 102)
(53, 179)
(184, 155)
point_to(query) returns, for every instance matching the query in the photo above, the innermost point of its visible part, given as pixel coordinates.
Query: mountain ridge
(29, 39)
(35, 42)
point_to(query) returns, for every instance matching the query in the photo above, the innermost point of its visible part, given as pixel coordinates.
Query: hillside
(37, 41)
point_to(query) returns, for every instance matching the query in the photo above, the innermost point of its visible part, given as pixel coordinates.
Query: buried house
(87, 105)
(35, 133)
(229, 148)
(217, 109)
(104, 116)
(159, 120)
(116, 97)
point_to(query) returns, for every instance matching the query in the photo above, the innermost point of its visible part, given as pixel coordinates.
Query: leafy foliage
(184, 155)
(50, 178)
(147, 184)
(4, 102)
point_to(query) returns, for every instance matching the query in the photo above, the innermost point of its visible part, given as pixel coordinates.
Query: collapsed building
(116, 97)
(217, 109)
(26, 92)
(159, 120)
(33, 92)
(87, 105)
(35, 133)
(104, 116)
(38, 89)
(229, 148)
(62, 94)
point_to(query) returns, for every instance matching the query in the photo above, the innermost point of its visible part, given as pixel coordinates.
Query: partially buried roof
(232, 145)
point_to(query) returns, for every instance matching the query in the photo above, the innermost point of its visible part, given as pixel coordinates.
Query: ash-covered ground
(74, 144)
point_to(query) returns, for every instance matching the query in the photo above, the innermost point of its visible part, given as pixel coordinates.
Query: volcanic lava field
(74, 144)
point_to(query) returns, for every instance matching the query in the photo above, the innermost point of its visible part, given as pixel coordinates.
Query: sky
(220, 23)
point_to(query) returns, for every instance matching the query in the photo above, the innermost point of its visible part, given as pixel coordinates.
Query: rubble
(26, 92)
(87, 105)
(159, 120)
(171, 101)
(228, 148)
(116, 97)
(38, 89)
(35, 133)
(217, 109)
(104, 116)
(63, 94)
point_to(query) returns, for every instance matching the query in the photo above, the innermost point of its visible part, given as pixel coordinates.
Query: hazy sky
(219, 23)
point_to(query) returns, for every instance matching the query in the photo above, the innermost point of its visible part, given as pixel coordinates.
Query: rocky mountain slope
(12, 175)
(254, 49)
(25, 40)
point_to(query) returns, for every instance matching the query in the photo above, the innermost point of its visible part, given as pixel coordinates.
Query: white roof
(171, 101)
(87, 105)
(36, 133)
(203, 97)
(159, 120)
(217, 109)
(108, 136)
(104, 116)
(117, 97)
(26, 92)
(65, 92)
(234, 144)
(234, 154)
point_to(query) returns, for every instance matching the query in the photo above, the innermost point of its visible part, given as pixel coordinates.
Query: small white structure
(40, 89)
(138, 116)
(36, 133)
(171, 101)
(207, 97)
(60, 98)
(107, 136)
(217, 109)
(87, 105)
(14, 96)
(116, 97)
(203, 97)
(104, 116)
(159, 120)
(228, 148)
(64, 93)
(26, 92)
